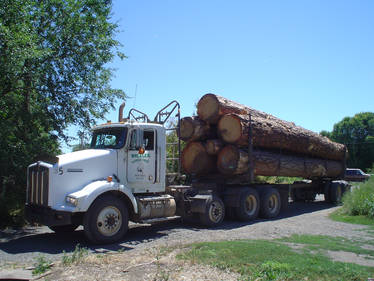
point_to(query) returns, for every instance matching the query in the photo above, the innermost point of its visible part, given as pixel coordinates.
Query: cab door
(141, 167)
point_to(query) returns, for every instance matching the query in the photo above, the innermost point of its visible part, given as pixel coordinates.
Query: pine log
(193, 129)
(275, 134)
(213, 146)
(196, 160)
(211, 107)
(234, 161)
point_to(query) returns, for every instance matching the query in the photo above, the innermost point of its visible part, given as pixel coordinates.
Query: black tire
(61, 229)
(106, 221)
(249, 205)
(326, 192)
(214, 212)
(336, 193)
(270, 203)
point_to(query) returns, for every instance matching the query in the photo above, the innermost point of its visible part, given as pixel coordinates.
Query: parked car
(352, 174)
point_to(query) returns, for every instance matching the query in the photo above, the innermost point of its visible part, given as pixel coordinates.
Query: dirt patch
(350, 257)
(145, 265)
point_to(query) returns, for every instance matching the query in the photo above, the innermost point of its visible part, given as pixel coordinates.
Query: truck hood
(91, 155)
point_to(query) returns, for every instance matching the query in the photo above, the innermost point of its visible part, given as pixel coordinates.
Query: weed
(76, 257)
(41, 265)
(360, 201)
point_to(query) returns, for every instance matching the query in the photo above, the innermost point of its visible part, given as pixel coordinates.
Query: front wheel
(106, 221)
(214, 212)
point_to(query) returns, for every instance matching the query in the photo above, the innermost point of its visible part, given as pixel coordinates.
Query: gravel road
(23, 246)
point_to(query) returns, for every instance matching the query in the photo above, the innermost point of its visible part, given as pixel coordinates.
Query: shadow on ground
(30, 240)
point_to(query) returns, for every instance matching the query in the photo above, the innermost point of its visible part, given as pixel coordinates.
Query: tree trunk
(234, 161)
(211, 107)
(193, 129)
(213, 146)
(274, 133)
(196, 160)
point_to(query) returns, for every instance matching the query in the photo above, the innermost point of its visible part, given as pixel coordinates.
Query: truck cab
(121, 177)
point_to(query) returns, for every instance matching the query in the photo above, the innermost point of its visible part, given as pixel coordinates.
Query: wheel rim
(273, 203)
(250, 205)
(215, 212)
(109, 221)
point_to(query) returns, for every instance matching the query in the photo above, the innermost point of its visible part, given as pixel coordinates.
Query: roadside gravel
(140, 251)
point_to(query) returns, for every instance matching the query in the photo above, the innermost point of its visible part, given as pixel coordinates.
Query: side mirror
(141, 150)
(140, 141)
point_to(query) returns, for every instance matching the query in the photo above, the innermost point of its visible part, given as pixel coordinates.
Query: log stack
(218, 141)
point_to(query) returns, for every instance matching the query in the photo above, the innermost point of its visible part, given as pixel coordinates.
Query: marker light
(109, 179)
(141, 150)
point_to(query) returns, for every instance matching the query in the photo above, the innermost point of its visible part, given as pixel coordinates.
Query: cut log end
(230, 128)
(195, 159)
(208, 108)
(227, 162)
(186, 128)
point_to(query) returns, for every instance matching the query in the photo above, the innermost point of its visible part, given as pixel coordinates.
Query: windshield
(109, 138)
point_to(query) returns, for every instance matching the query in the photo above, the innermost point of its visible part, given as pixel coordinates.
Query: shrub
(361, 200)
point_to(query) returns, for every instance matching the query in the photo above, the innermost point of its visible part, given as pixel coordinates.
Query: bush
(361, 200)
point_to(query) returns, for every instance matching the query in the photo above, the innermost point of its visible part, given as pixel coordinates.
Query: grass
(76, 257)
(342, 216)
(41, 265)
(275, 260)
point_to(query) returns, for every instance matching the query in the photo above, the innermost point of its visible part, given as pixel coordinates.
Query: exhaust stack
(120, 113)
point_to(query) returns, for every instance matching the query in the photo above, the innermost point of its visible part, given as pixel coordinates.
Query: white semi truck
(123, 177)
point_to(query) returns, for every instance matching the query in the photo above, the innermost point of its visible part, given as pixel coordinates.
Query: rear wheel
(214, 212)
(270, 203)
(249, 205)
(106, 221)
(63, 228)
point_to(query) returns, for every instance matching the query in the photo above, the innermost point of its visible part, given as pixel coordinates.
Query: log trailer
(124, 177)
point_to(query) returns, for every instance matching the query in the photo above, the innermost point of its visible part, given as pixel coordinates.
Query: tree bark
(193, 129)
(196, 160)
(234, 161)
(213, 146)
(211, 107)
(272, 133)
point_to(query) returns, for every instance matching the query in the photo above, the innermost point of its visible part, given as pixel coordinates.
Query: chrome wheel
(215, 212)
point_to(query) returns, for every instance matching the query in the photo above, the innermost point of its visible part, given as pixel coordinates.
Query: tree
(357, 133)
(54, 72)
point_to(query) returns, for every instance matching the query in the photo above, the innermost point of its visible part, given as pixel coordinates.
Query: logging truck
(131, 173)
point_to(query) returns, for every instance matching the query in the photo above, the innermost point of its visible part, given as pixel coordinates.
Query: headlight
(71, 200)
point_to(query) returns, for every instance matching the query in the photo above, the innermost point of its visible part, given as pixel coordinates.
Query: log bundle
(218, 142)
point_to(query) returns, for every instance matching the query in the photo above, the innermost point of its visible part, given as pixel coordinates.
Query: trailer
(131, 173)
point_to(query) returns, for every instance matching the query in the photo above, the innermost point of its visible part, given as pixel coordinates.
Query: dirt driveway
(140, 255)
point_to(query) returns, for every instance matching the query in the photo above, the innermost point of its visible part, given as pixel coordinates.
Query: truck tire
(63, 228)
(249, 205)
(214, 212)
(106, 221)
(336, 193)
(270, 203)
(326, 192)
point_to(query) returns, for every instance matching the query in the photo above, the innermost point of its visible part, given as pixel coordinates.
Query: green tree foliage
(53, 73)
(357, 133)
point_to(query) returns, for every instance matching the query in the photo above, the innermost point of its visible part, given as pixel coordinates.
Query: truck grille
(37, 185)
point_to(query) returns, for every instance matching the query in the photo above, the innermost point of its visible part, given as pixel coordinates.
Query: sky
(309, 62)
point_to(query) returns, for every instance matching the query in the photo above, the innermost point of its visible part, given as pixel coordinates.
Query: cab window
(148, 140)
